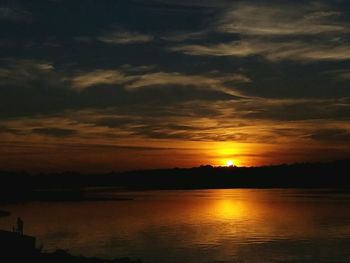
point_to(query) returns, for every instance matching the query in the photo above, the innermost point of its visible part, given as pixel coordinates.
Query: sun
(229, 163)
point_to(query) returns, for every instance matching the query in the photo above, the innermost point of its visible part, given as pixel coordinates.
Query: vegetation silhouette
(70, 186)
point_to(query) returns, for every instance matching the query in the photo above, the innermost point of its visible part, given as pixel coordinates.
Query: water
(196, 226)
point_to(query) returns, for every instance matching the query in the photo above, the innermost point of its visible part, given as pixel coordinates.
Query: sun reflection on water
(229, 209)
(206, 225)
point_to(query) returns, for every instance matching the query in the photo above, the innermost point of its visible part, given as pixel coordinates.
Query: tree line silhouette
(19, 186)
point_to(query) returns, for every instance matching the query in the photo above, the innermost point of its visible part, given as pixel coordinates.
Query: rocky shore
(22, 248)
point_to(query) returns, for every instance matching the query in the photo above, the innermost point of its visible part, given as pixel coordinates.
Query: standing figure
(20, 226)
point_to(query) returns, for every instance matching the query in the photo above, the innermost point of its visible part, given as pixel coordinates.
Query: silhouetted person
(20, 226)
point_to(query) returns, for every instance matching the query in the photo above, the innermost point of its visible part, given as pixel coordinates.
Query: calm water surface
(197, 226)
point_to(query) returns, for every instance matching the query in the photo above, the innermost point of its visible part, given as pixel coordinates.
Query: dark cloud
(113, 122)
(53, 131)
(4, 129)
(295, 110)
(32, 87)
(10, 14)
(332, 135)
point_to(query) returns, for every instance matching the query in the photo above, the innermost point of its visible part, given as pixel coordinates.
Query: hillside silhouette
(16, 186)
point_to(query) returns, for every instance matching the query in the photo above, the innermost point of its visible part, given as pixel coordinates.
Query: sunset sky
(112, 85)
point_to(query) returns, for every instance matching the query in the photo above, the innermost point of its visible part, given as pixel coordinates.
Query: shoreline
(22, 248)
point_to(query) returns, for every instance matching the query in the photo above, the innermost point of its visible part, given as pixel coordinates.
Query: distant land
(22, 186)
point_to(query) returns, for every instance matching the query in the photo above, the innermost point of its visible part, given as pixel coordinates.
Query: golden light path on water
(192, 226)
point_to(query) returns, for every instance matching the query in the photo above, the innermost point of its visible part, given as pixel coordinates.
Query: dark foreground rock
(22, 248)
(61, 256)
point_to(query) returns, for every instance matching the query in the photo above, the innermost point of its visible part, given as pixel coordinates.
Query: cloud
(11, 14)
(159, 125)
(133, 68)
(114, 121)
(123, 38)
(117, 37)
(183, 36)
(196, 3)
(280, 20)
(277, 32)
(271, 50)
(31, 87)
(175, 78)
(292, 109)
(245, 120)
(54, 131)
(23, 71)
(342, 74)
(99, 77)
(152, 79)
(4, 129)
(236, 48)
(337, 135)
(245, 72)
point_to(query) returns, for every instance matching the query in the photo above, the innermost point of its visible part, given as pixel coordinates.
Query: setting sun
(229, 163)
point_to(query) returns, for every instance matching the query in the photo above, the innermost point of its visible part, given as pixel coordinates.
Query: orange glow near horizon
(233, 154)
(42, 154)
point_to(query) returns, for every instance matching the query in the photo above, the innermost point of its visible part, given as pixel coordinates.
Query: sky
(112, 85)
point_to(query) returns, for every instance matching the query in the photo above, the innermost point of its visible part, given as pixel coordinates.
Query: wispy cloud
(175, 78)
(54, 131)
(335, 135)
(298, 32)
(196, 3)
(117, 37)
(272, 50)
(182, 36)
(139, 68)
(274, 73)
(11, 14)
(24, 71)
(99, 77)
(152, 79)
(280, 20)
(196, 123)
(241, 121)
(342, 74)
(236, 48)
(125, 37)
